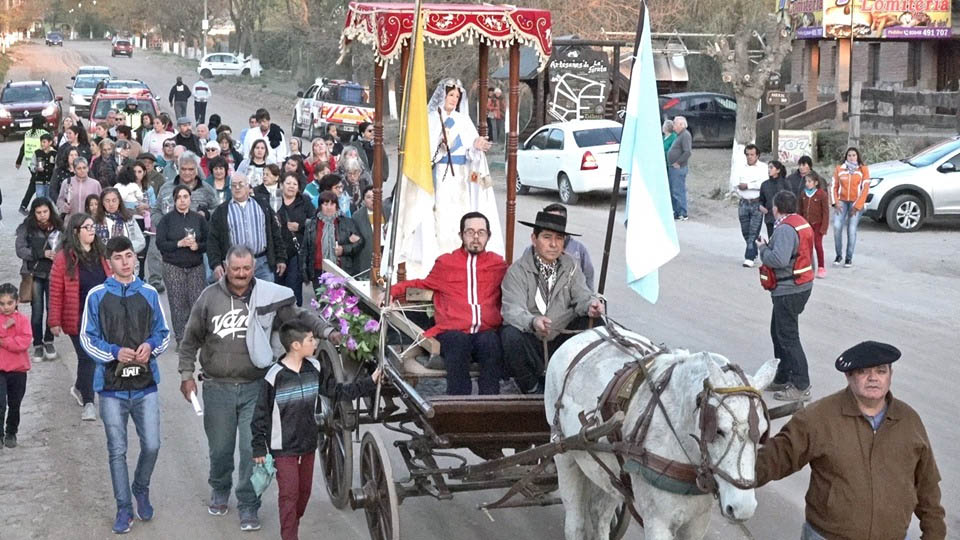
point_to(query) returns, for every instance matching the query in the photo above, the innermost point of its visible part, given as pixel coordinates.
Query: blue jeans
(678, 190)
(227, 411)
(293, 279)
(751, 220)
(459, 349)
(38, 303)
(262, 270)
(145, 412)
(852, 219)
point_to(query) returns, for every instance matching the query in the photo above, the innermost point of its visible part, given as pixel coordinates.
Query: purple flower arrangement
(361, 333)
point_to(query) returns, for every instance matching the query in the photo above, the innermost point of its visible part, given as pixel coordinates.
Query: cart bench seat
(503, 421)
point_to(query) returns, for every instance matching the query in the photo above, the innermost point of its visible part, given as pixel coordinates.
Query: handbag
(26, 288)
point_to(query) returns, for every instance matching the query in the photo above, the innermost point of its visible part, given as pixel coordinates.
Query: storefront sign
(806, 17)
(795, 144)
(887, 19)
(579, 83)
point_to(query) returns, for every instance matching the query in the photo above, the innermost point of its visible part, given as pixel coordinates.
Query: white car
(570, 158)
(228, 64)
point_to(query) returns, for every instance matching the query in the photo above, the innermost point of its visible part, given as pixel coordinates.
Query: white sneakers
(747, 263)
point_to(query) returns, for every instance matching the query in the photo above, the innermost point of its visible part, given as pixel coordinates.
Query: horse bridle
(708, 470)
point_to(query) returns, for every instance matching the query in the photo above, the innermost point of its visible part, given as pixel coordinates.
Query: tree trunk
(746, 130)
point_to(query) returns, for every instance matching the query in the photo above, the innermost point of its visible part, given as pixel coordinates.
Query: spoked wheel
(336, 425)
(378, 492)
(620, 523)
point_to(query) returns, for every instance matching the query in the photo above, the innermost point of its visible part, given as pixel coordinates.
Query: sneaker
(24, 211)
(89, 413)
(123, 522)
(37, 353)
(848, 263)
(49, 351)
(822, 272)
(747, 263)
(10, 440)
(684, 218)
(218, 504)
(144, 508)
(837, 261)
(792, 393)
(776, 387)
(76, 395)
(249, 520)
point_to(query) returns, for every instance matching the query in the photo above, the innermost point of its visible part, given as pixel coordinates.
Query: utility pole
(206, 27)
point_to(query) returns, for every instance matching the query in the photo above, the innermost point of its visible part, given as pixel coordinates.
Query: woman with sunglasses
(78, 267)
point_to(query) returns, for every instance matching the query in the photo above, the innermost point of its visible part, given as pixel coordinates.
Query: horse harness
(632, 456)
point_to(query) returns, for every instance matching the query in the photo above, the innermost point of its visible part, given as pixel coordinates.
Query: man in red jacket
(466, 296)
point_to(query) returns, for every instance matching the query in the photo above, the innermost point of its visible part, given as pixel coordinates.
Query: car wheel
(522, 189)
(245, 72)
(205, 73)
(295, 127)
(905, 213)
(567, 195)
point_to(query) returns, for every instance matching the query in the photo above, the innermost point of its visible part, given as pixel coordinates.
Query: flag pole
(615, 194)
(395, 204)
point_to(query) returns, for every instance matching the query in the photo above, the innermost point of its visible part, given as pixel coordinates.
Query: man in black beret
(871, 463)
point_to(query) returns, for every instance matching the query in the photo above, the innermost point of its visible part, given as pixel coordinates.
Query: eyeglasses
(87, 228)
(168, 145)
(477, 234)
(212, 149)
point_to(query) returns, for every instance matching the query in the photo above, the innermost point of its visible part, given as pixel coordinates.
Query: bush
(831, 144)
(877, 148)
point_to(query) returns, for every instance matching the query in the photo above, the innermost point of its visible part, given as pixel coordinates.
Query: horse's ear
(765, 374)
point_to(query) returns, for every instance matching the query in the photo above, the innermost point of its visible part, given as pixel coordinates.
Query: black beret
(867, 354)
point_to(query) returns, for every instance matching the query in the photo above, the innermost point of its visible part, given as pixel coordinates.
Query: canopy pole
(512, 147)
(483, 69)
(377, 170)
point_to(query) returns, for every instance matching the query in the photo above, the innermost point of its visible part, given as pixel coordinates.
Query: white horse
(589, 497)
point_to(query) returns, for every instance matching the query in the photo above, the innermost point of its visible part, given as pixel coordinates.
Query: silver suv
(905, 193)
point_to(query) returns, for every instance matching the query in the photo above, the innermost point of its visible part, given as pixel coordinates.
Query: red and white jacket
(466, 291)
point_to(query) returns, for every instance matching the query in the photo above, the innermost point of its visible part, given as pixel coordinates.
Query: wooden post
(483, 69)
(812, 94)
(512, 147)
(377, 169)
(775, 144)
(896, 112)
(854, 137)
(844, 57)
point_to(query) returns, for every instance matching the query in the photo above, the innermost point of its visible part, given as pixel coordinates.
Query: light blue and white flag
(651, 232)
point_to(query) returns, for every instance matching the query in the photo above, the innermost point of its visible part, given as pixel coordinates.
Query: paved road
(904, 289)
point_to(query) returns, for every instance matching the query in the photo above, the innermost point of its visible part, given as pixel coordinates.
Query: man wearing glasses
(466, 296)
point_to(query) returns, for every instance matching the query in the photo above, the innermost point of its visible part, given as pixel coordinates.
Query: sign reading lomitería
(806, 17)
(887, 19)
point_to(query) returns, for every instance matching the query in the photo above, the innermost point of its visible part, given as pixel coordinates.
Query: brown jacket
(864, 485)
(816, 210)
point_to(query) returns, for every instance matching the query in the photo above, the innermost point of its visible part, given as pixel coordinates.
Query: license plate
(347, 128)
(25, 123)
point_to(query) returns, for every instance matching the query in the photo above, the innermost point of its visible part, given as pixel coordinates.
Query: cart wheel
(381, 504)
(336, 447)
(620, 523)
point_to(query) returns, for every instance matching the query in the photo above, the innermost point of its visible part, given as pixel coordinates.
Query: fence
(899, 109)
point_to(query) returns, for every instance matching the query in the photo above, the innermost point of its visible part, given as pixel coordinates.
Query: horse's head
(732, 423)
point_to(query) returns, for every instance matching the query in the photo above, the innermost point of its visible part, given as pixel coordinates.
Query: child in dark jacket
(15, 338)
(815, 208)
(292, 395)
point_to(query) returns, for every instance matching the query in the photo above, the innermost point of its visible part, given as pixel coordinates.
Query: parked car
(711, 117)
(106, 100)
(21, 101)
(227, 64)
(905, 193)
(122, 47)
(102, 71)
(570, 158)
(331, 102)
(81, 93)
(54, 38)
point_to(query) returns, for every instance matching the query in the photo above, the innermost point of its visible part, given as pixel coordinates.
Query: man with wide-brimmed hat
(544, 295)
(871, 463)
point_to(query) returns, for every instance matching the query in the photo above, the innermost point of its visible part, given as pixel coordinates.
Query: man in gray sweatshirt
(677, 158)
(789, 254)
(230, 327)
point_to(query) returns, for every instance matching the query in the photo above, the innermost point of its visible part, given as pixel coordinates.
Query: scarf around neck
(329, 241)
(106, 233)
(546, 279)
(851, 165)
